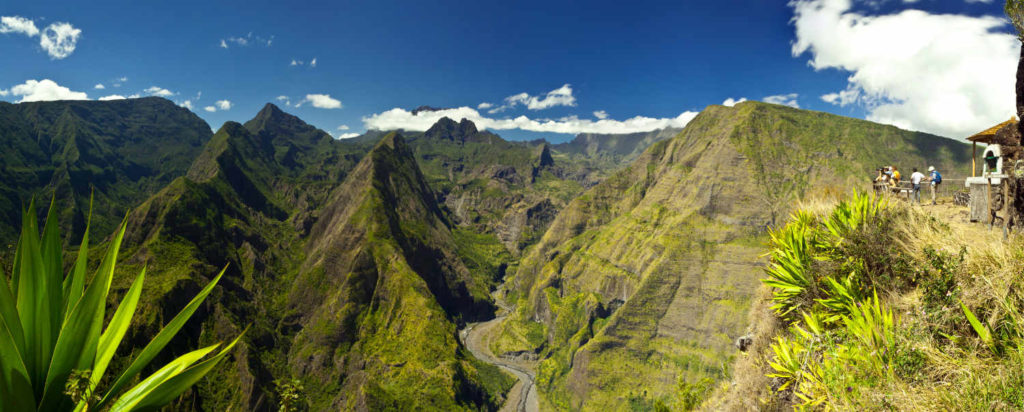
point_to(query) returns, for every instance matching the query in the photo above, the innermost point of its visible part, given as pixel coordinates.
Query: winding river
(523, 396)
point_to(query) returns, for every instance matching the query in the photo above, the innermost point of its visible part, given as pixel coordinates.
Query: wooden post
(974, 158)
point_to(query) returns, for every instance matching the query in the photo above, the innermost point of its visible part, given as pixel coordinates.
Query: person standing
(915, 179)
(936, 179)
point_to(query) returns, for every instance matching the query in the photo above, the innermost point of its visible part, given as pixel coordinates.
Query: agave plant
(54, 348)
(789, 274)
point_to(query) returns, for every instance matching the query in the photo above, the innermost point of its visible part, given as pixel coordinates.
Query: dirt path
(523, 396)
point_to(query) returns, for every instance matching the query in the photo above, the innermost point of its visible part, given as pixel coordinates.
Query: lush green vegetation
(882, 306)
(119, 152)
(54, 346)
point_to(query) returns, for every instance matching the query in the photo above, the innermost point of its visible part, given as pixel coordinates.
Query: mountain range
(631, 259)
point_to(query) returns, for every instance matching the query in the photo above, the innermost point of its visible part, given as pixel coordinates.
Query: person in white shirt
(916, 179)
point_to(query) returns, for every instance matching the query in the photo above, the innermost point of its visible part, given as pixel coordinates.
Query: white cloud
(3, 92)
(285, 100)
(347, 135)
(343, 127)
(59, 39)
(18, 24)
(730, 102)
(601, 114)
(190, 103)
(321, 101)
(117, 97)
(561, 96)
(210, 109)
(99, 86)
(223, 104)
(403, 119)
(484, 105)
(296, 62)
(246, 40)
(783, 99)
(951, 75)
(157, 91)
(45, 90)
(119, 81)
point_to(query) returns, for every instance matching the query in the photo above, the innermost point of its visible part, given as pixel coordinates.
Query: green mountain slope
(382, 280)
(338, 258)
(606, 153)
(512, 190)
(120, 151)
(645, 279)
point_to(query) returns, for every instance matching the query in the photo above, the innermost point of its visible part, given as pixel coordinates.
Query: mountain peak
(270, 112)
(446, 128)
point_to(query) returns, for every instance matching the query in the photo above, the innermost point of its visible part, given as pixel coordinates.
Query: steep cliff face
(645, 279)
(120, 152)
(347, 274)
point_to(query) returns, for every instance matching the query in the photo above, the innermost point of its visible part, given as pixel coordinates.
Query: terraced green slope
(120, 151)
(646, 279)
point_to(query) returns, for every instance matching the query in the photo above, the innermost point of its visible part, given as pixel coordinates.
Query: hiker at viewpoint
(916, 179)
(936, 179)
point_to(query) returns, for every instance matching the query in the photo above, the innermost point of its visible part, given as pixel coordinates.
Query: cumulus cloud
(312, 63)
(247, 40)
(119, 81)
(158, 91)
(601, 114)
(783, 99)
(403, 119)
(118, 97)
(210, 109)
(223, 104)
(343, 127)
(296, 62)
(45, 90)
(189, 103)
(561, 96)
(347, 135)
(321, 101)
(730, 102)
(99, 86)
(284, 99)
(4, 92)
(484, 105)
(18, 24)
(59, 39)
(947, 74)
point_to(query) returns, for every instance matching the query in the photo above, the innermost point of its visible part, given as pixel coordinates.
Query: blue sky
(557, 68)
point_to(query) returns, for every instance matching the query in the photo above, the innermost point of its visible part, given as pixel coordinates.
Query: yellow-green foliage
(937, 327)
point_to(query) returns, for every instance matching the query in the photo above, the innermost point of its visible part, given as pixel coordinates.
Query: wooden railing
(947, 189)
